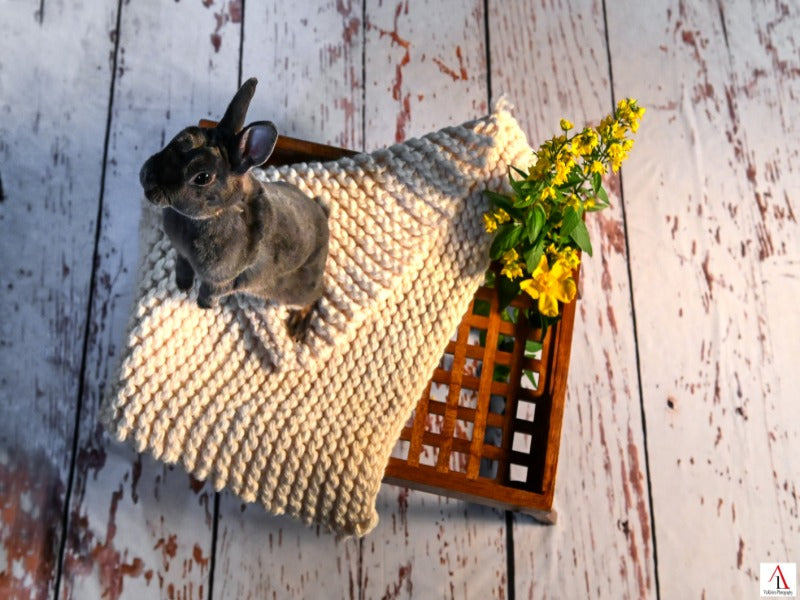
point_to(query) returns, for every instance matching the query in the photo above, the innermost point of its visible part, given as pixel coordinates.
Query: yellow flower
(604, 129)
(616, 153)
(512, 267)
(629, 110)
(563, 169)
(570, 257)
(618, 130)
(585, 142)
(597, 167)
(538, 170)
(550, 286)
(510, 256)
(548, 192)
(489, 223)
(501, 216)
(566, 125)
(589, 204)
(574, 201)
(512, 270)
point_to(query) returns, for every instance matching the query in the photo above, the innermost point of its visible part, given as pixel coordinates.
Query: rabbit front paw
(183, 281)
(206, 298)
(299, 322)
(206, 302)
(184, 274)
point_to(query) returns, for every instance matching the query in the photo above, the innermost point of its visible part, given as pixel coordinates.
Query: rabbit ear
(254, 145)
(233, 120)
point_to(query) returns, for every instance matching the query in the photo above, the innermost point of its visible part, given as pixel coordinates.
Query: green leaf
(504, 202)
(540, 321)
(507, 290)
(520, 172)
(508, 235)
(601, 194)
(501, 373)
(580, 235)
(570, 221)
(575, 177)
(525, 202)
(518, 186)
(481, 307)
(532, 377)
(596, 182)
(488, 279)
(533, 256)
(510, 314)
(532, 348)
(535, 222)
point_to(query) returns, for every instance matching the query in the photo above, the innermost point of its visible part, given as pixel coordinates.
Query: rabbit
(231, 231)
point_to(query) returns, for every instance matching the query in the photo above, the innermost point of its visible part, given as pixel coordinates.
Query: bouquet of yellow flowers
(539, 228)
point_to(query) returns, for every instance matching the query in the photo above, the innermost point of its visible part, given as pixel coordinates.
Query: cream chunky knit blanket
(307, 429)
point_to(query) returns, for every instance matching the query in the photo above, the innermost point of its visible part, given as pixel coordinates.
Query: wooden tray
(488, 427)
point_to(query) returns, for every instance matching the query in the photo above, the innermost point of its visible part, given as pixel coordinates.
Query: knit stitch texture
(307, 429)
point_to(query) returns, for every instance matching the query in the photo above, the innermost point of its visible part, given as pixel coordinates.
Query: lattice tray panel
(488, 426)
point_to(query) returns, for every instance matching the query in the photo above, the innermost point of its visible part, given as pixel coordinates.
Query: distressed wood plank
(51, 149)
(551, 60)
(308, 62)
(139, 528)
(705, 189)
(425, 69)
(766, 80)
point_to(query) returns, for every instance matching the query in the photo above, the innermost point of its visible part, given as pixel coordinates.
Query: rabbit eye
(202, 178)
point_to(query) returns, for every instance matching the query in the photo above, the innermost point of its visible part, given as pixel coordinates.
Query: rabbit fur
(232, 232)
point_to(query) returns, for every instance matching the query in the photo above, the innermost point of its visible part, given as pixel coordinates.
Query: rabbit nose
(152, 191)
(149, 182)
(145, 177)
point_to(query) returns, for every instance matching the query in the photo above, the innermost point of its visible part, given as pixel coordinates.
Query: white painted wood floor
(679, 468)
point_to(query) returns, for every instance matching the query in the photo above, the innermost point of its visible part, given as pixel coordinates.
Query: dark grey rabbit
(232, 232)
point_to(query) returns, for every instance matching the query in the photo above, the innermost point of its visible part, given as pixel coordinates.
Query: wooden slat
(548, 420)
(50, 169)
(136, 526)
(453, 396)
(425, 68)
(712, 189)
(484, 390)
(551, 60)
(307, 57)
(415, 432)
(521, 337)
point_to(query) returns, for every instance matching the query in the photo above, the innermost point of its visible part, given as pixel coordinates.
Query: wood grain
(50, 167)
(551, 61)
(138, 528)
(710, 189)
(426, 68)
(308, 62)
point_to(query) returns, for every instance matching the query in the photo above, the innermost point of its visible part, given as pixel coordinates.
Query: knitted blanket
(307, 429)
